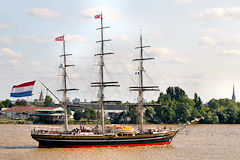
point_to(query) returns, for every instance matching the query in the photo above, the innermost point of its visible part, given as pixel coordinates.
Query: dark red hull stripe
(117, 145)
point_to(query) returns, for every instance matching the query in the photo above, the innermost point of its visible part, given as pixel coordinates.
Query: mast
(101, 80)
(101, 84)
(140, 104)
(141, 88)
(65, 90)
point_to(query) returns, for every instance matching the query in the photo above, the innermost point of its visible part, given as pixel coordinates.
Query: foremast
(65, 90)
(141, 88)
(102, 84)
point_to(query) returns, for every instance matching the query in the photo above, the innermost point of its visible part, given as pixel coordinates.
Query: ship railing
(47, 130)
(159, 130)
(60, 131)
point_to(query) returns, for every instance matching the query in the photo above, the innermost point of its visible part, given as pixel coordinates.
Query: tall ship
(105, 136)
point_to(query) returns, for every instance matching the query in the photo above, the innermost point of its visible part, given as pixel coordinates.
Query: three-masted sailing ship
(106, 136)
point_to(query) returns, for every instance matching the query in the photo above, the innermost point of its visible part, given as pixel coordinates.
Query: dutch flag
(99, 16)
(137, 73)
(22, 90)
(61, 38)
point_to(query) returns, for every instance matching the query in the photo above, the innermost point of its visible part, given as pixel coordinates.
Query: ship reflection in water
(202, 142)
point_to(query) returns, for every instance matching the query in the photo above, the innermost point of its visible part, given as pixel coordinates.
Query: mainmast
(141, 88)
(101, 84)
(65, 90)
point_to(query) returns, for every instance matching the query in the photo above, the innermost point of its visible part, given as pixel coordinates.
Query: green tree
(223, 111)
(133, 114)
(177, 107)
(166, 113)
(48, 100)
(21, 102)
(213, 104)
(79, 114)
(171, 93)
(232, 112)
(238, 119)
(150, 114)
(34, 103)
(209, 118)
(126, 103)
(7, 103)
(175, 93)
(118, 118)
(69, 112)
(215, 119)
(195, 113)
(114, 119)
(198, 102)
(90, 113)
(1, 106)
(182, 112)
(122, 117)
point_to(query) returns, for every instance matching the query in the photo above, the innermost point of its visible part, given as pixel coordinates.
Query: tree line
(174, 107)
(22, 102)
(88, 114)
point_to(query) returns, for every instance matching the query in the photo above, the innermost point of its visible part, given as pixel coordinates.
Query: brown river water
(196, 142)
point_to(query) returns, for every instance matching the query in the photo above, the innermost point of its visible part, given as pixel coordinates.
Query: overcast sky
(195, 43)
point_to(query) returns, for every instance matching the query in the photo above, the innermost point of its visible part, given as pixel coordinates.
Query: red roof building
(24, 109)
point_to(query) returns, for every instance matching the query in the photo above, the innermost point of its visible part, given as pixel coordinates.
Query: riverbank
(10, 121)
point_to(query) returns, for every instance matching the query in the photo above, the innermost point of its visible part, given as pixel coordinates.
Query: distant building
(40, 100)
(48, 115)
(21, 112)
(111, 108)
(76, 101)
(41, 97)
(233, 95)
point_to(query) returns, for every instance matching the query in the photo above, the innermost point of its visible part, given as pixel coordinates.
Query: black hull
(53, 141)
